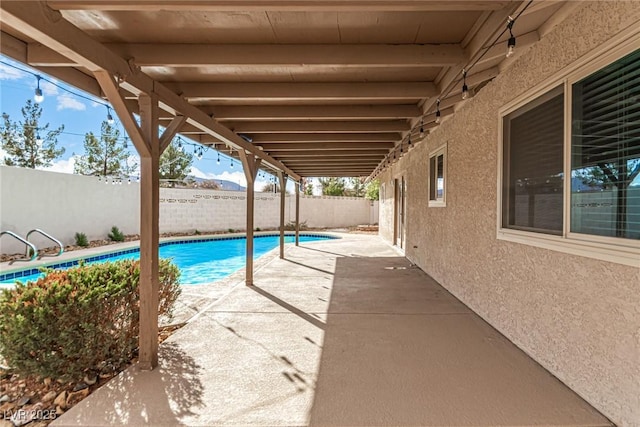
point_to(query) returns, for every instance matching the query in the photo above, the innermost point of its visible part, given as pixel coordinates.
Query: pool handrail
(50, 237)
(29, 245)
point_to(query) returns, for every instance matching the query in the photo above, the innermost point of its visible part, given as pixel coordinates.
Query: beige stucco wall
(579, 317)
(63, 204)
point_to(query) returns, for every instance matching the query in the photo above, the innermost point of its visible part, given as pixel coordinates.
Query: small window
(437, 177)
(532, 186)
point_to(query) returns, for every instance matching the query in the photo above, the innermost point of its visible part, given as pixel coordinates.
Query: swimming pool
(200, 260)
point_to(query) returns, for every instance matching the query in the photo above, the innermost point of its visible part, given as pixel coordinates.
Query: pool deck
(340, 332)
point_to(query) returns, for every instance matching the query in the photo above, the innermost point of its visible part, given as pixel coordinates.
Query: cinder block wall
(579, 317)
(63, 204)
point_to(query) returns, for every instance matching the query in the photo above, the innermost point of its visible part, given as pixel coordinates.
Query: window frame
(438, 202)
(612, 249)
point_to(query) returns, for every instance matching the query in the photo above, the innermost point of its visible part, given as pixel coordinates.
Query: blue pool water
(200, 261)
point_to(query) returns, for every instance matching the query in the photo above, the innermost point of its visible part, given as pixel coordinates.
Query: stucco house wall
(579, 317)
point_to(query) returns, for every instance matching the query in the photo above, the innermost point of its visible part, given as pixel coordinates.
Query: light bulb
(39, 140)
(465, 91)
(126, 142)
(38, 97)
(511, 45)
(218, 161)
(129, 180)
(231, 163)
(109, 116)
(438, 116)
(421, 131)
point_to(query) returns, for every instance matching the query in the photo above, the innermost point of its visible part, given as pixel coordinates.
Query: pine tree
(174, 163)
(332, 186)
(104, 156)
(27, 143)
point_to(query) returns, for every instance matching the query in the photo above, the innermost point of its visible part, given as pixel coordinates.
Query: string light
(39, 139)
(38, 97)
(409, 141)
(218, 161)
(125, 144)
(231, 163)
(465, 88)
(511, 44)
(180, 146)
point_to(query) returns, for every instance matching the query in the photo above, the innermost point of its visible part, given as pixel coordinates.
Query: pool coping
(68, 259)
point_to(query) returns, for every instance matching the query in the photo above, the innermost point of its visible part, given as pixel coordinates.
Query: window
(605, 151)
(437, 177)
(570, 177)
(533, 167)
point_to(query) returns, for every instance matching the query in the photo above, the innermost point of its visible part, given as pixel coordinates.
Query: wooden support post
(149, 233)
(250, 165)
(282, 177)
(297, 214)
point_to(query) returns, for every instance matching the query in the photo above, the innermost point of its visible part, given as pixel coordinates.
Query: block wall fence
(63, 204)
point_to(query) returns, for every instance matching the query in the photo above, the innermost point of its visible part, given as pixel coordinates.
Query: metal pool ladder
(50, 237)
(30, 247)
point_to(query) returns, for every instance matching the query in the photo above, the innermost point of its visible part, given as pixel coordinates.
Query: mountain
(224, 184)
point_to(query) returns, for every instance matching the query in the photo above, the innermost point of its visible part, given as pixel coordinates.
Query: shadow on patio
(343, 332)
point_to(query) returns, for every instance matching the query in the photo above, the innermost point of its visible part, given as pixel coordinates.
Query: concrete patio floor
(339, 333)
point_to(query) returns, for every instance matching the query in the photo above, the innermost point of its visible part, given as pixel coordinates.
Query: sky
(80, 116)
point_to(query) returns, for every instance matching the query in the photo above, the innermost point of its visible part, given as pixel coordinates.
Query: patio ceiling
(317, 88)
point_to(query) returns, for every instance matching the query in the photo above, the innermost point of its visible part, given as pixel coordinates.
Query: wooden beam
(302, 165)
(336, 160)
(329, 137)
(282, 178)
(333, 126)
(312, 112)
(149, 234)
(12, 47)
(327, 153)
(18, 50)
(292, 146)
(247, 55)
(280, 6)
(297, 190)
(46, 26)
(250, 91)
(108, 83)
(170, 131)
(250, 165)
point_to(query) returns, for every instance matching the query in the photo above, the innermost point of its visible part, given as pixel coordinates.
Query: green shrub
(116, 235)
(231, 230)
(81, 240)
(78, 320)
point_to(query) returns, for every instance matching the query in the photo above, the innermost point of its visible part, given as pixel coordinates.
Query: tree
(307, 187)
(104, 156)
(607, 175)
(357, 187)
(332, 186)
(27, 143)
(270, 187)
(373, 190)
(174, 163)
